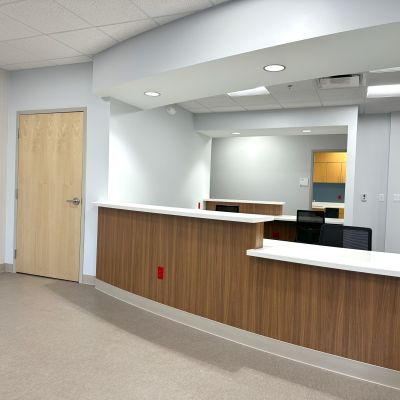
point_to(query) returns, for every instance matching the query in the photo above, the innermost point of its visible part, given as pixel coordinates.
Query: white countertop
(275, 203)
(320, 204)
(371, 262)
(292, 218)
(188, 212)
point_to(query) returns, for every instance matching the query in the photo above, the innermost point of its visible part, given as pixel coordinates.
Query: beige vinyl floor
(61, 340)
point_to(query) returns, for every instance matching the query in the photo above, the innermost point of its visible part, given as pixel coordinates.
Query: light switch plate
(381, 197)
(304, 182)
(396, 197)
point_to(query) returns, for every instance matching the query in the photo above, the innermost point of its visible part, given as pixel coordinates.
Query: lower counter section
(207, 273)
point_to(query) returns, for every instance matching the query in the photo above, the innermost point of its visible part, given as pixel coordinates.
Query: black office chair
(331, 212)
(308, 226)
(349, 237)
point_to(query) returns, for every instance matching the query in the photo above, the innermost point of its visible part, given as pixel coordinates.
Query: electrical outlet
(381, 197)
(396, 197)
(364, 197)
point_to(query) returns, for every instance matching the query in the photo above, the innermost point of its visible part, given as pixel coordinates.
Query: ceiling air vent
(339, 81)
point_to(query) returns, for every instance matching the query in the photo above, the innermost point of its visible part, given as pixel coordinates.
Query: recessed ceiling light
(258, 91)
(383, 91)
(383, 70)
(274, 67)
(306, 130)
(235, 133)
(152, 94)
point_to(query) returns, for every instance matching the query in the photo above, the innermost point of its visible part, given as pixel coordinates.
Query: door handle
(75, 201)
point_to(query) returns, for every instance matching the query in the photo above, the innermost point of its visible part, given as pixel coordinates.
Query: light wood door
(49, 173)
(333, 172)
(319, 175)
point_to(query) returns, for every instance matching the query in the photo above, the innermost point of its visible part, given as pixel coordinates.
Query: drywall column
(3, 155)
(393, 205)
(372, 176)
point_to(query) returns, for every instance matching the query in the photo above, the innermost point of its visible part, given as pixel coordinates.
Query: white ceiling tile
(300, 104)
(298, 92)
(104, 12)
(344, 96)
(169, 18)
(10, 54)
(87, 41)
(29, 65)
(227, 109)
(194, 106)
(127, 30)
(71, 60)
(255, 100)
(264, 107)
(44, 15)
(383, 105)
(157, 8)
(217, 101)
(11, 29)
(45, 47)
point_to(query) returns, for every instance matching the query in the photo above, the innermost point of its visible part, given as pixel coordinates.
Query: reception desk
(247, 206)
(216, 265)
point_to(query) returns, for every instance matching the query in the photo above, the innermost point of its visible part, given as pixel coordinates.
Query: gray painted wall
(393, 207)
(267, 168)
(372, 175)
(3, 157)
(156, 158)
(67, 86)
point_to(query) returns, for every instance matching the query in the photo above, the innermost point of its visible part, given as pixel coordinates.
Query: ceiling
(287, 131)
(40, 33)
(304, 94)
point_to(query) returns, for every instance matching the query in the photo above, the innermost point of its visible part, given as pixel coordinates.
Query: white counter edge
(273, 203)
(188, 212)
(348, 265)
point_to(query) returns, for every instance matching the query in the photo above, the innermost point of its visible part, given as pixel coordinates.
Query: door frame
(83, 200)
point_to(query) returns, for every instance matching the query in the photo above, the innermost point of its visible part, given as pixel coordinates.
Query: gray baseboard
(88, 280)
(6, 268)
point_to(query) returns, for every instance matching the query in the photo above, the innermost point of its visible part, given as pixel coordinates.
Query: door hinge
(15, 254)
(16, 194)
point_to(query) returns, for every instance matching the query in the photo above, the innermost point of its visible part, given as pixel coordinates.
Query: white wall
(294, 118)
(268, 167)
(372, 175)
(3, 155)
(393, 207)
(57, 88)
(156, 158)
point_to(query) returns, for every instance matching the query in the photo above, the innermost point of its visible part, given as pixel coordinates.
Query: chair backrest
(308, 226)
(331, 212)
(310, 217)
(331, 235)
(223, 207)
(355, 237)
(349, 237)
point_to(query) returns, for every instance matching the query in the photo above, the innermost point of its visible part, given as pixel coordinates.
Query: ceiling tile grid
(77, 29)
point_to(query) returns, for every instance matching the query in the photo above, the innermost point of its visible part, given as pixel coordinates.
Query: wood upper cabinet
(329, 167)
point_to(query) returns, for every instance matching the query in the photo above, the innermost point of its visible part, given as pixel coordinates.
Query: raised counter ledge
(188, 212)
(292, 218)
(276, 203)
(370, 262)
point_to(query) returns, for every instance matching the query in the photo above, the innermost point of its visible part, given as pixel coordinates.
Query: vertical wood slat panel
(207, 273)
